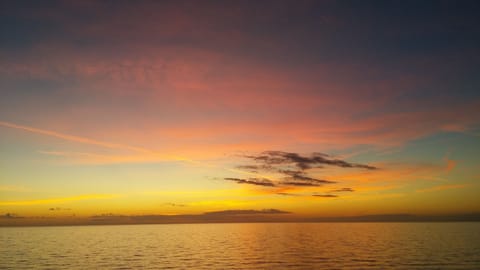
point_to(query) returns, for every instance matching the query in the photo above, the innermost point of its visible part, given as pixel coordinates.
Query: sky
(298, 109)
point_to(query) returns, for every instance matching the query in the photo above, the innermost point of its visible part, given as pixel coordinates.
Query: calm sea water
(244, 246)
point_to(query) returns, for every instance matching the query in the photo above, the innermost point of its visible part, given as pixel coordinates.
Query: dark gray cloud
(301, 184)
(256, 168)
(315, 160)
(59, 209)
(252, 181)
(175, 204)
(287, 194)
(325, 195)
(10, 216)
(343, 190)
(312, 182)
(247, 212)
(293, 169)
(301, 176)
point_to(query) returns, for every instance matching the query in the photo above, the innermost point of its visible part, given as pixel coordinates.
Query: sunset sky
(315, 108)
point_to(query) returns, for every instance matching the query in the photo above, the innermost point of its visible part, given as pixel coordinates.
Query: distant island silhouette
(226, 216)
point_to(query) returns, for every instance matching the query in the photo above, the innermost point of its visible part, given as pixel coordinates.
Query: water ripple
(244, 246)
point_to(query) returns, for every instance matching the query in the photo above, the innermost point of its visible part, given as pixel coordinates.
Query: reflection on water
(244, 246)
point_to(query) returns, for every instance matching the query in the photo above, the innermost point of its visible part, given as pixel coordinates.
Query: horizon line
(206, 218)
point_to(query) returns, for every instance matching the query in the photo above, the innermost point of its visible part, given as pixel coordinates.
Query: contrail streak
(75, 138)
(89, 141)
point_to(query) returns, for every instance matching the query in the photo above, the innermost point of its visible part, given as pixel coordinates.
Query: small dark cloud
(252, 181)
(287, 194)
(343, 190)
(300, 176)
(175, 204)
(256, 168)
(59, 209)
(10, 216)
(325, 195)
(247, 212)
(301, 184)
(250, 168)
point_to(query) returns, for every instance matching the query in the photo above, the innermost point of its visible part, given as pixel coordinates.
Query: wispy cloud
(59, 209)
(343, 190)
(287, 194)
(147, 155)
(301, 184)
(99, 159)
(301, 176)
(251, 181)
(247, 212)
(73, 138)
(175, 204)
(325, 195)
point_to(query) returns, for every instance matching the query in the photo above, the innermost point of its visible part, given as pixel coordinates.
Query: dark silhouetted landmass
(225, 216)
(400, 218)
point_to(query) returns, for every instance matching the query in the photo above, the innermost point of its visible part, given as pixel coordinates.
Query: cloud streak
(73, 138)
(151, 154)
(343, 190)
(300, 177)
(287, 194)
(59, 209)
(301, 184)
(175, 204)
(252, 181)
(325, 195)
(148, 155)
(247, 212)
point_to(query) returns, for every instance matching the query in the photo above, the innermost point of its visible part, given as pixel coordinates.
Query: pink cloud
(196, 95)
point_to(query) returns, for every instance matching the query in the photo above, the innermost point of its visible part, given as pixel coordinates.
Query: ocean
(244, 246)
